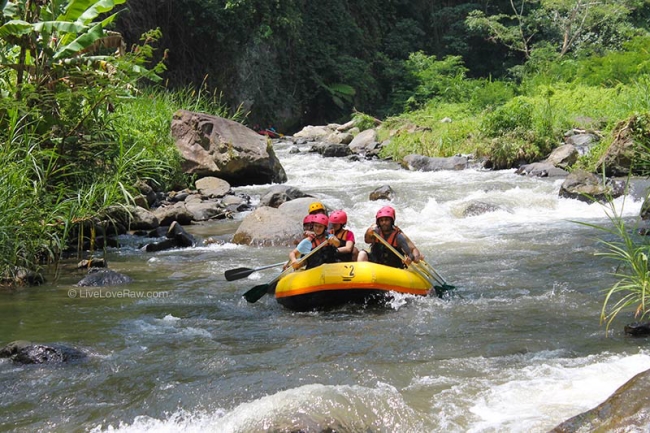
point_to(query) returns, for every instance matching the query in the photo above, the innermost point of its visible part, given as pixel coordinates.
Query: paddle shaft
(428, 267)
(236, 274)
(401, 257)
(257, 292)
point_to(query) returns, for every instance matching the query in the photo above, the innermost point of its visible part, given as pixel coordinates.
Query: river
(520, 349)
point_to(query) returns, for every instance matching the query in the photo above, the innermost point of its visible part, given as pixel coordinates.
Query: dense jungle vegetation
(88, 88)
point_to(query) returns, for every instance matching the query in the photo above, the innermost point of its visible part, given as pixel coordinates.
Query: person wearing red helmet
(326, 254)
(345, 252)
(385, 227)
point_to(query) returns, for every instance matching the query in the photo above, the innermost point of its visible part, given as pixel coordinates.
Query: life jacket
(342, 237)
(327, 254)
(379, 253)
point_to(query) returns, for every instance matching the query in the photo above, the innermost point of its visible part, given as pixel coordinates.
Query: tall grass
(629, 251)
(48, 196)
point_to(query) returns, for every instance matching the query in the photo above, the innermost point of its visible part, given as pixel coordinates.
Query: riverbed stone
(211, 186)
(416, 162)
(542, 169)
(384, 192)
(268, 226)
(279, 194)
(587, 187)
(26, 352)
(624, 411)
(98, 277)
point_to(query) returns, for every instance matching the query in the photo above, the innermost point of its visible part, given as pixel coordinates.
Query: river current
(520, 349)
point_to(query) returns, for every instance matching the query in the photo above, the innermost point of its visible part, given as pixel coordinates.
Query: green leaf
(84, 11)
(59, 26)
(82, 42)
(15, 28)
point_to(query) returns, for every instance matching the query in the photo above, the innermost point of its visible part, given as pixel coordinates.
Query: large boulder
(267, 226)
(624, 411)
(415, 162)
(587, 187)
(214, 146)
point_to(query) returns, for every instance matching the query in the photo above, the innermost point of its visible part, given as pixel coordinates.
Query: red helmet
(320, 218)
(339, 217)
(386, 211)
(308, 219)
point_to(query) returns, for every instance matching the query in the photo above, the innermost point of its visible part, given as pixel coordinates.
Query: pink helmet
(320, 218)
(339, 217)
(386, 211)
(308, 219)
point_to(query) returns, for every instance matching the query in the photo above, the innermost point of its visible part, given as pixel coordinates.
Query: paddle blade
(236, 274)
(444, 290)
(256, 293)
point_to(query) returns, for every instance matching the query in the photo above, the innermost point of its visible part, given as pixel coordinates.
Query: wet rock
(384, 192)
(365, 143)
(98, 277)
(588, 187)
(19, 276)
(563, 157)
(25, 352)
(624, 411)
(211, 186)
(415, 162)
(205, 210)
(479, 208)
(214, 146)
(278, 194)
(178, 234)
(92, 263)
(541, 169)
(329, 150)
(267, 226)
(177, 212)
(637, 329)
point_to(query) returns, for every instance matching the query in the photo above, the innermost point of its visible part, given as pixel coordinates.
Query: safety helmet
(308, 219)
(320, 218)
(386, 211)
(339, 217)
(315, 206)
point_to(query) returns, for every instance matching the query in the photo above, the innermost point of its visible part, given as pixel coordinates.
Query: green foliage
(437, 79)
(363, 121)
(629, 252)
(422, 132)
(516, 114)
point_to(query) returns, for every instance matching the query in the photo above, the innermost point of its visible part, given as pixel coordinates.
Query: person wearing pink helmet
(346, 251)
(385, 227)
(327, 254)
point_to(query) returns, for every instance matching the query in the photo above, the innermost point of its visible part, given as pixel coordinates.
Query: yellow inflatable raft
(334, 284)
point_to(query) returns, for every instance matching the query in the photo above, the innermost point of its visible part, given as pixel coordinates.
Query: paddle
(238, 273)
(443, 286)
(257, 292)
(440, 289)
(235, 274)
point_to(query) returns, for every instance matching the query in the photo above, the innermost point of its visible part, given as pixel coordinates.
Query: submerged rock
(98, 277)
(25, 352)
(624, 411)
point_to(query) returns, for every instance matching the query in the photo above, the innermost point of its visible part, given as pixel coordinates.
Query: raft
(335, 284)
